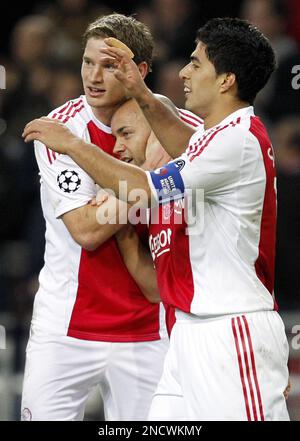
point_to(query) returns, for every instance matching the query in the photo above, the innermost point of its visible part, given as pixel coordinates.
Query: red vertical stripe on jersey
(265, 263)
(109, 305)
(48, 154)
(254, 369)
(237, 346)
(104, 140)
(172, 256)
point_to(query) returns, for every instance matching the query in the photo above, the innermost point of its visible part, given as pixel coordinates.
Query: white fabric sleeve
(210, 164)
(69, 187)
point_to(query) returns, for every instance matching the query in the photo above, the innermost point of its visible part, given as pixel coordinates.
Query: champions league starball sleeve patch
(167, 181)
(68, 181)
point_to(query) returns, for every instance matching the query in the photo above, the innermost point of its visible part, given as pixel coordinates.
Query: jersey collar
(92, 117)
(240, 113)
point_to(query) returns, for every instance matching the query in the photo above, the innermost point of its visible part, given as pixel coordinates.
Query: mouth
(186, 90)
(95, 92)
(127, 159)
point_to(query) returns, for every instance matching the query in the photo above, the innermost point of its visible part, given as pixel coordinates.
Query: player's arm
(173, 133)
(88, 229)
(69, 190)
(138, 262)
(101, 167)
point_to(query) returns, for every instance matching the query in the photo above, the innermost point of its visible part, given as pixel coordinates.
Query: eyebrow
(121, 129)
(194, 58)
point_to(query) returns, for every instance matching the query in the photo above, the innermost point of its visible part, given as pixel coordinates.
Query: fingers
(121, 52)
(120, 76)
(32, 136)
(93, 202)
(116, 54)
(30, 128)
(101, 197)
(38, 125)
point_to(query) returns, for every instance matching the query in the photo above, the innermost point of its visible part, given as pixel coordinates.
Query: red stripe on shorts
(254, 369)
(241, 368)
(247, 368)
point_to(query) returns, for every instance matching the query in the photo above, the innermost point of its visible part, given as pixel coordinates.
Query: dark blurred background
(41, 51)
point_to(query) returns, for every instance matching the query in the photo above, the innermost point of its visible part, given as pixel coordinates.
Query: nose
(183, 74)
(96, 75)
(119, 147)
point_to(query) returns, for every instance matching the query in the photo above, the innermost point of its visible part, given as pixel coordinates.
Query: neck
(105, 114)
(221, 112)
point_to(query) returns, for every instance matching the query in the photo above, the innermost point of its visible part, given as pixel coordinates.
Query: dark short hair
(236, 46)
(133, 33)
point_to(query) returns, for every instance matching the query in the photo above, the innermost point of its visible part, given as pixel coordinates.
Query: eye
(126, 134)
(87, 62)
(109, 67)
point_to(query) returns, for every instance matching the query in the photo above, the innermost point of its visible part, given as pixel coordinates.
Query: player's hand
(99, 199)
(287, 390)
(126, 71)
(54, 134)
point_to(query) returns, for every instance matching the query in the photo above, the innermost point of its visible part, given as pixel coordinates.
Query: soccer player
(91, 323)
(228, 351)
(137, 144)
(135, 141)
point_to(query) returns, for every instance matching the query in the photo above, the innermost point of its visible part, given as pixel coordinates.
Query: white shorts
(61, 371)
(232, 368)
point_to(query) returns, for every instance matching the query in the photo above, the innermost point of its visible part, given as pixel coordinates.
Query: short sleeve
(68, 186)
(211, 163)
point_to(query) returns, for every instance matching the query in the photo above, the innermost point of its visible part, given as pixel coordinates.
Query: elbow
(89, 246)
(87, 241)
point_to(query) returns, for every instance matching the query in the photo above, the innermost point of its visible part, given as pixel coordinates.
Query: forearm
(170, 130)
(91, 226)
(108, 172)
(138, 262)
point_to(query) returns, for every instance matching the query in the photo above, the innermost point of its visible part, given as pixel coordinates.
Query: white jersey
(224, 263)
(82, 294)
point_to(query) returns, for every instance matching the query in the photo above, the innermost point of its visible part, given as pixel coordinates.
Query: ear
(143, 68)
(228, 81)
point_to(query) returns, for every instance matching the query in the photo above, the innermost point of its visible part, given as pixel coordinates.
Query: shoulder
(67, 110)
(228, 138)
(73, 113)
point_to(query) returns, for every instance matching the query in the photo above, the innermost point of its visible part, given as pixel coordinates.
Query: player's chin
(189, 105)
(95, 101)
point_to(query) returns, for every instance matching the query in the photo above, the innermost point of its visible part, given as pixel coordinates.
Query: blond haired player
(91, 324)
